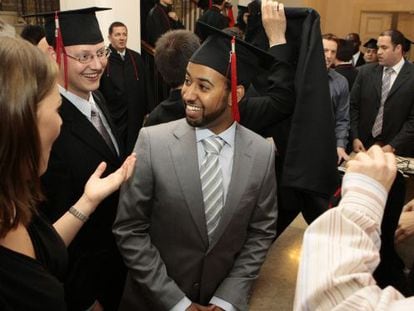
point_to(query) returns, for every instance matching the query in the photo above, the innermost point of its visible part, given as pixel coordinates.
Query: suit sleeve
(236, 286)
(354, 105)
(342, 115)
(131, 230)
(277, 101)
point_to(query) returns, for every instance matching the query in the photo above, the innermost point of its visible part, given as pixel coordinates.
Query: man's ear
(51, 52)
(239, 92)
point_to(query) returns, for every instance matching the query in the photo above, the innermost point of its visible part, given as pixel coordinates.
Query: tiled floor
(275, 288)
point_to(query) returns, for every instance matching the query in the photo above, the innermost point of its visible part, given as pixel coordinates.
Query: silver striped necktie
(212, 182)
(385, 89)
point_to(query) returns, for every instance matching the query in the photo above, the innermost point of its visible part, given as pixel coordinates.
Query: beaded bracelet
(78, 214)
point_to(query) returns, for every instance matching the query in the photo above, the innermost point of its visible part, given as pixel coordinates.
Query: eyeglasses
(87, 58)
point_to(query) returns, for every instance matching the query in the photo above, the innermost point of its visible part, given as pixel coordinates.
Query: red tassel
(60, 49)
(233, 61)
(210, 4)
(230, 16)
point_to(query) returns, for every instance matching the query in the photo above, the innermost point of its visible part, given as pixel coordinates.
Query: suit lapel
(378, 82)
(185, 160)
(80, 127)
(242, 166)
(403, 76)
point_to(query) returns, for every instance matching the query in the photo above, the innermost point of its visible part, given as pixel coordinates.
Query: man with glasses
(96, 273)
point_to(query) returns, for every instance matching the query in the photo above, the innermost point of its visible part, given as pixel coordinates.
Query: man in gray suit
(185, 251)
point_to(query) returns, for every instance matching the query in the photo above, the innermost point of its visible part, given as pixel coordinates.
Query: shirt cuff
(226, 306)
(364, 194)
(182, 305)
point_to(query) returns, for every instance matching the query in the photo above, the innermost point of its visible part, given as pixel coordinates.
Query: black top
(168, 110)
(34, 284)
(214, 18)
(158, 22)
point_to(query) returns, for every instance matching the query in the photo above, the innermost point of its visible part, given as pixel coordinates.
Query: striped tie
(385, 89)
(100, 127)
(212, 182)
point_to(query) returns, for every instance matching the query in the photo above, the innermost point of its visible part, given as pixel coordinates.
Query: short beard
(206, 120)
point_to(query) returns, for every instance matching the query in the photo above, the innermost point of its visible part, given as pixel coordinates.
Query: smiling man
(196, 221)
(96, 272)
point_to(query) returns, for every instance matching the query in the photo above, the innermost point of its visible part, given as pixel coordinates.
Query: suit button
(196, 285)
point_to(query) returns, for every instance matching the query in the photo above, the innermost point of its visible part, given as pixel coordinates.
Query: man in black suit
(382, 112)
(96, 273)
(358, 57)
(396, 120)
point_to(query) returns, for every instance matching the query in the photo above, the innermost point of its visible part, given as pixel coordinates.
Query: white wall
(127, 12)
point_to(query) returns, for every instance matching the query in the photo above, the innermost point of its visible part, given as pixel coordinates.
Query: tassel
(60, 49)
(233, 64)
(230, 16)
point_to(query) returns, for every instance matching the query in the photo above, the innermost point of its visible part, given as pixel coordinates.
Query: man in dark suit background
(394, 114)
(382, 112)
(358, 57)
(96, 273)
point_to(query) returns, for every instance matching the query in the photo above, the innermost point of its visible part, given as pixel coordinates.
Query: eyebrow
(202, 79)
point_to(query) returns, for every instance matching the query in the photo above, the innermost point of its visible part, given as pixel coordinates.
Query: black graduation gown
(95, 267)
(309, 174)
(158, 22)
(126, 88)
(168, 110)
(214, 18)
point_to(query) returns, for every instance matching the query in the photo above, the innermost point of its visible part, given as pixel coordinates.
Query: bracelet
(78, 214)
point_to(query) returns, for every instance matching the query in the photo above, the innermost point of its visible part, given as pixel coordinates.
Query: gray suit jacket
(161, 229)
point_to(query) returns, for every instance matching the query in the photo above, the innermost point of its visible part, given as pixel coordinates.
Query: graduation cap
(75, 26)
(371, 44)
(232, 57)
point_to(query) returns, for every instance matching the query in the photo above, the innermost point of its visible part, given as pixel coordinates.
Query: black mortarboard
(217, 51)
(371, 44)
(76, 26)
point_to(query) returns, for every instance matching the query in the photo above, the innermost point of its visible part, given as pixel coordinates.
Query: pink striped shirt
(341, 250)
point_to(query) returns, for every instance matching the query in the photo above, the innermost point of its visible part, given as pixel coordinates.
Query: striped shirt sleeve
(341, 250)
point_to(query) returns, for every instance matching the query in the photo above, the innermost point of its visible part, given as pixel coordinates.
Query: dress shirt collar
(228, 135)
(355, 58)
(83, 105)
(397, 67)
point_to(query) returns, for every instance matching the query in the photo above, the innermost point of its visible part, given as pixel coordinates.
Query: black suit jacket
(398, 124)
(95, 268)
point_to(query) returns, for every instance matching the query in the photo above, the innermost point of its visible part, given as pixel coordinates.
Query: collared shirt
(122, 54)
(84, 106)
(396, 70)
(341, 250)
(355, 58)
(226, 163)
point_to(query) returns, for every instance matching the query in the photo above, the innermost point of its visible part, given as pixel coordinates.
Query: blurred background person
(370, 55)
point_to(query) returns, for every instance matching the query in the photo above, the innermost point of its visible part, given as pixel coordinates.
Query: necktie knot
(213, 144)
(388, 70)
